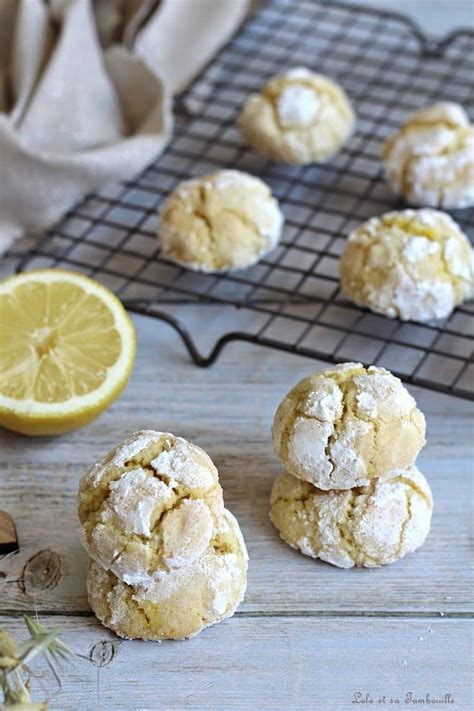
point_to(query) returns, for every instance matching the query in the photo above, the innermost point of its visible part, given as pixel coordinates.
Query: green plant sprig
(15, 658)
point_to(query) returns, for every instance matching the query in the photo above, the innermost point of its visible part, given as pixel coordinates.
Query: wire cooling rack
(389, 70)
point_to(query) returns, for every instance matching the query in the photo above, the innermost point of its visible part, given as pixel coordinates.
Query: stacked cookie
(167, 559)
(351, 495)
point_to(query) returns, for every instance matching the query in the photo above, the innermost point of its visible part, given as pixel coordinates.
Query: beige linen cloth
(85, 94)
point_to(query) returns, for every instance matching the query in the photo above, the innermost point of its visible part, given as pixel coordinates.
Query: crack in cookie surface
(298, 117)
(346, 425)
(149, 505)
(430, 160)
(221, 221)
(413, 264)
(183, 601)
(367, 526)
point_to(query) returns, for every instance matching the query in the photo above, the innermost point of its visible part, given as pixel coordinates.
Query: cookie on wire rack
(416, 265)
(224, 221)
(430, 160)
(299, 117)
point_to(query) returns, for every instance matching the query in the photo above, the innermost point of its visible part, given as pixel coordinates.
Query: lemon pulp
(67, 348)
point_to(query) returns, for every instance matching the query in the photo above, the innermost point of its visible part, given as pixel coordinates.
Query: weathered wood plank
(261, 663)
(228, 410)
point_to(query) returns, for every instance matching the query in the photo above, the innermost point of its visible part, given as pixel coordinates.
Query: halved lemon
(67, 348)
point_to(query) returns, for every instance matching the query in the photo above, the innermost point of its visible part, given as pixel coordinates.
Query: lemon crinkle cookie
(366, 526)
(223, 221)
(413, 264)
(299, 117)
(182, 601)
(430, 161)
(150, 506)
(347, 425)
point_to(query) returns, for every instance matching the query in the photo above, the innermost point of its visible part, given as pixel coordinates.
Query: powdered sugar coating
(132, 500)
(216, 570)
(150, 505)
(181, 602)
(366, 404)
(370, 426)
(454, 253)
(129, 448)
(228, 179)
(223, 221)
(297, 73)
(368, 526)
(183, 468)
(430, 161)
(414, 264)
(418, 248)
(298, 117)
(186, 532)
(297, 106)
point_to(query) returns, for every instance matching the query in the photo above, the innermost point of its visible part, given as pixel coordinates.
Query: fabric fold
(180, 29)
(85, 94)
(33, 40)
(74, 79)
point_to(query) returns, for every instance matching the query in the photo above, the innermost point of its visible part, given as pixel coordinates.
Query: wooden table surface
(308, 635)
